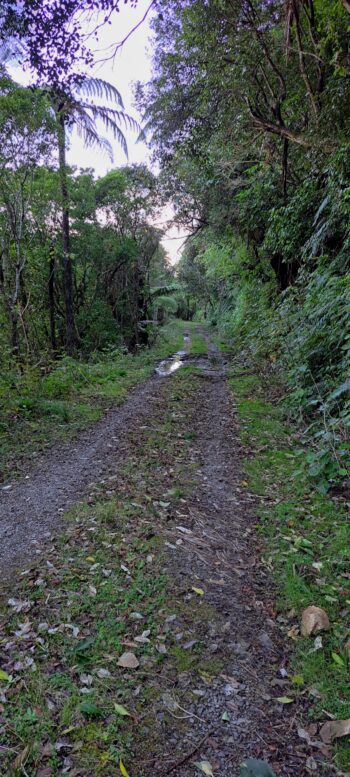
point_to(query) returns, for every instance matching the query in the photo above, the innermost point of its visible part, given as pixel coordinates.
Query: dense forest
(248, 112)
(247, 115)
(174, 431)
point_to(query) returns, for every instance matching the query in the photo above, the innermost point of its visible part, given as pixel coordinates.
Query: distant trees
(26, 133)
(110, 246)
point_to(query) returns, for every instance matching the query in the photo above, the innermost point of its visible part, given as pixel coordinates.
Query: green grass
(307, 547)
(80, 617)
(38, 410)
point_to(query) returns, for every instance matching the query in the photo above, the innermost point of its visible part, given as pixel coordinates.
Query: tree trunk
(14, 333)
(51, 290)
(285, 169)
(67, 261)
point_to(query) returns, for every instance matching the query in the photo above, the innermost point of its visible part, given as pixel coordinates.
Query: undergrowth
(37, 409)
(307, 547)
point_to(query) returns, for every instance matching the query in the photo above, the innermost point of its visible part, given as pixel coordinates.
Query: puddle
(210, 366)
(168, 366)
(173, 363)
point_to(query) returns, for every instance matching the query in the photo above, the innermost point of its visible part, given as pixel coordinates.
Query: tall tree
(77, 110)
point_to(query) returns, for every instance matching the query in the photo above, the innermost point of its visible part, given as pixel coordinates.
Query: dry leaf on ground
(334, 729)
(313, 620)
(205, 767)
(128, 661)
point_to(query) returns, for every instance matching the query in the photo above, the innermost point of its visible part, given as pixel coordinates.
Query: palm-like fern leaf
(97, 87)
(163, 291)
(86, 129)
(103, 112)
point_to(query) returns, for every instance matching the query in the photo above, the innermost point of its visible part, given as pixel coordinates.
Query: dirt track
(232, 709)
(32, 507)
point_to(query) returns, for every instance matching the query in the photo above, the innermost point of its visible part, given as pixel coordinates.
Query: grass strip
(307, 548)
(66, 704)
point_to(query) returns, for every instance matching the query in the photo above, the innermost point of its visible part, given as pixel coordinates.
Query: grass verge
(38, 410)
(307, 549)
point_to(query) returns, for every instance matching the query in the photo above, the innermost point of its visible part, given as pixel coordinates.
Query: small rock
(265, 641)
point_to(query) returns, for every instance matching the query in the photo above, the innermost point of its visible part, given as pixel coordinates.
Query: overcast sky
(132, 63)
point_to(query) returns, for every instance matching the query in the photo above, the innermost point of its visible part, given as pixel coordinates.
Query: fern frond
(167, 290)
(97, 87)
(86, 129)
(100, 111)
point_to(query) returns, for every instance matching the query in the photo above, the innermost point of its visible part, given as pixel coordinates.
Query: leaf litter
(74, 637)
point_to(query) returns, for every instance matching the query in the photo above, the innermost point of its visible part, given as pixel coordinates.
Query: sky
(131, 64)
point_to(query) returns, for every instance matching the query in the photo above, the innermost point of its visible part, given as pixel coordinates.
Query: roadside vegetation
(39, 409)
(306, 546)
(248, 113)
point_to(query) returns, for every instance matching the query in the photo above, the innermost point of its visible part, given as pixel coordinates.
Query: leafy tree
(71, 109)
(53, 34)
(26, 131)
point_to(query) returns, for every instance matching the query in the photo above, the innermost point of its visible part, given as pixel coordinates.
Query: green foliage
(307, 536)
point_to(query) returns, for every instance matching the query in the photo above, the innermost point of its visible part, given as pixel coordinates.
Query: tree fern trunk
(51, 290)
(67, 261)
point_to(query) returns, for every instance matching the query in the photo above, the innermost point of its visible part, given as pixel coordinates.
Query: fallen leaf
(253, 767)
(23, 628)
(297, 679)
(123, 770)
(334, 729)
(338, 660)
(20, 606)
(198, 591)
(313, 620)
(293, 633)
(103, 673)
(143, 638)
(4, 676)
(21, 759)
(303, 734)
(120, 710)
(90, 709)
(205, 767)
(86, 679)
(284, 700)
(128, 661)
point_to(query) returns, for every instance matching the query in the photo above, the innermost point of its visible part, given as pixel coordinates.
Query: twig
(121, 43)
(189, 755)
